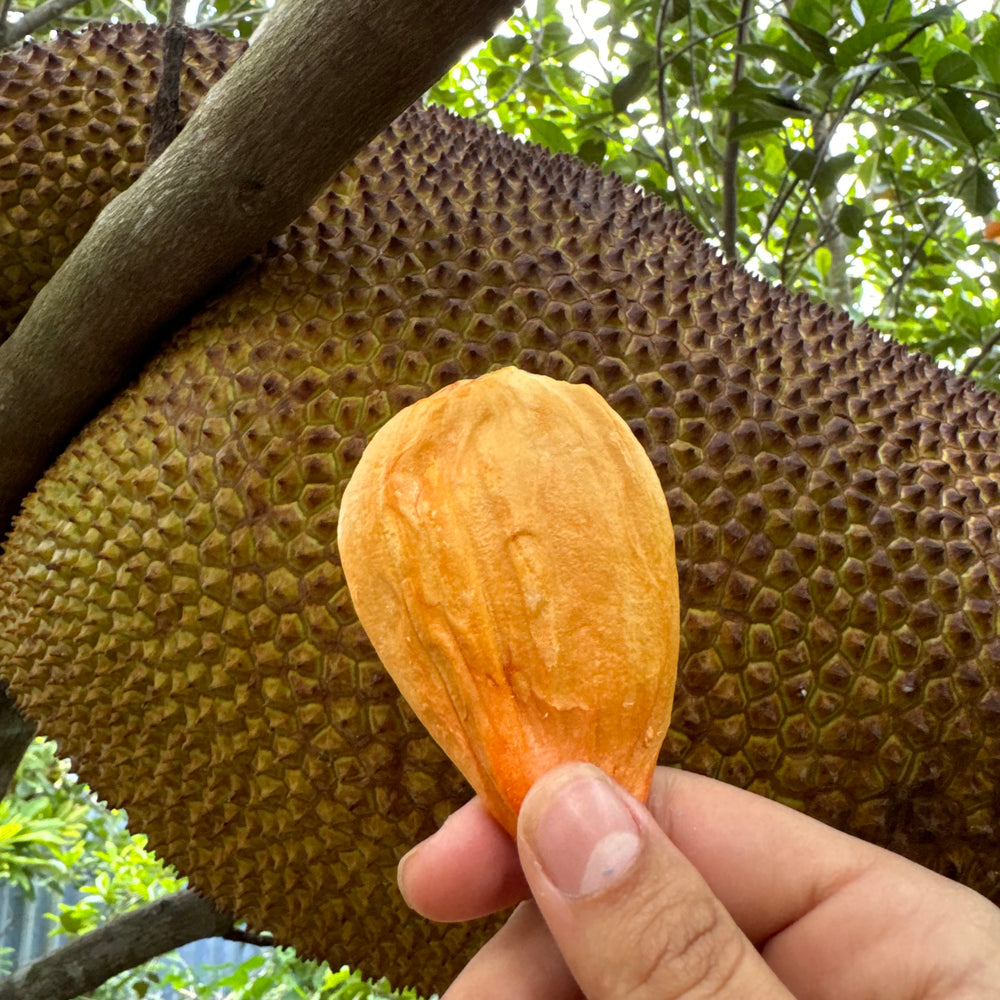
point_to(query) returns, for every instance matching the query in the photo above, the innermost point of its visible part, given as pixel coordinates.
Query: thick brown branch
(86, 963)
(318, 82)
(34, 19)
(16, 733)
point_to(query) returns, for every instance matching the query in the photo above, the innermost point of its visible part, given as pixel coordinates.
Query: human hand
(708, 892)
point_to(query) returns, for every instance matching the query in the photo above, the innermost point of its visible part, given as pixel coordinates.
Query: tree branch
(248, 937)
(122, 944)
(984, 353)
(661, 91)
(33, 19)
(16, 734)
(165, 117)
(731, 157)
(319, 81)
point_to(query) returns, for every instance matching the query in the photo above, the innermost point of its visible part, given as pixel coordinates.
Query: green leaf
(71, 922)
(752, 99)
(936, 15)
(258, 988)
(549, 134)
(677, 10)
(987, 57)
(774, 160)
(682, 69)
(631, 87)
(954, 67)
(917, 123)
(784, 57)
(830, 171)
(906, 66)
(557, 33)
(801, 162)
(505, 46)
(851, 219)
(987, 53)
(500, 79)
(592, 150)
(868, 38)
(824, 260)
(816, 42)
(956, 110)
(756, 126)
(978, 192)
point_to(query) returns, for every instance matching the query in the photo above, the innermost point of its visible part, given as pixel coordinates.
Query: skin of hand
(708, 891)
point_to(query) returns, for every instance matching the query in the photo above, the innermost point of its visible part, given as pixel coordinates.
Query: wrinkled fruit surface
(509, 552)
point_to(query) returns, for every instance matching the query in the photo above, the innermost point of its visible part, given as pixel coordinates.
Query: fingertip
(403, 882)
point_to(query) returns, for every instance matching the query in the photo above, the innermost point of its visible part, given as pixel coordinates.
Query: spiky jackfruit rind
(171, 607)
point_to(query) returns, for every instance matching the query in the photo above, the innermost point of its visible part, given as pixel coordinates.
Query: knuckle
(697, 956)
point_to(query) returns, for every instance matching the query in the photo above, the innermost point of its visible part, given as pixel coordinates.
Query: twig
(165, 119)
(32, 20)
(661, 87)
(984, 353)
(730, 160)
(248, 937)
(706, 213)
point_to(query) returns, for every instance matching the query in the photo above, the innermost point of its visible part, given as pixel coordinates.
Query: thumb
(629, 913)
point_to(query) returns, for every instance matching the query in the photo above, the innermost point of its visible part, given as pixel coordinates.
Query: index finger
(468, 869)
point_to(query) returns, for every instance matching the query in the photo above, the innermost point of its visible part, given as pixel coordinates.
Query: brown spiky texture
(173, 612)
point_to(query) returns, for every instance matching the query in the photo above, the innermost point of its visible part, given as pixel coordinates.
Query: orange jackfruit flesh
(509, 551)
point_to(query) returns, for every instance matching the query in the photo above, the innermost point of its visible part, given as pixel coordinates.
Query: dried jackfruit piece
(510, 554)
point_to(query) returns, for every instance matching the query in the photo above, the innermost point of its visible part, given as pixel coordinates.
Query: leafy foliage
(275, 975)
(42, 824)
(280, 975)
(61, 836)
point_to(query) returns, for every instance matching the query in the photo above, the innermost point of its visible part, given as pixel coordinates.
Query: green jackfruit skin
(171, 605)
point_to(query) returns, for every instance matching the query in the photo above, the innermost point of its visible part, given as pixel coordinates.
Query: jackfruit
(172, 610)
